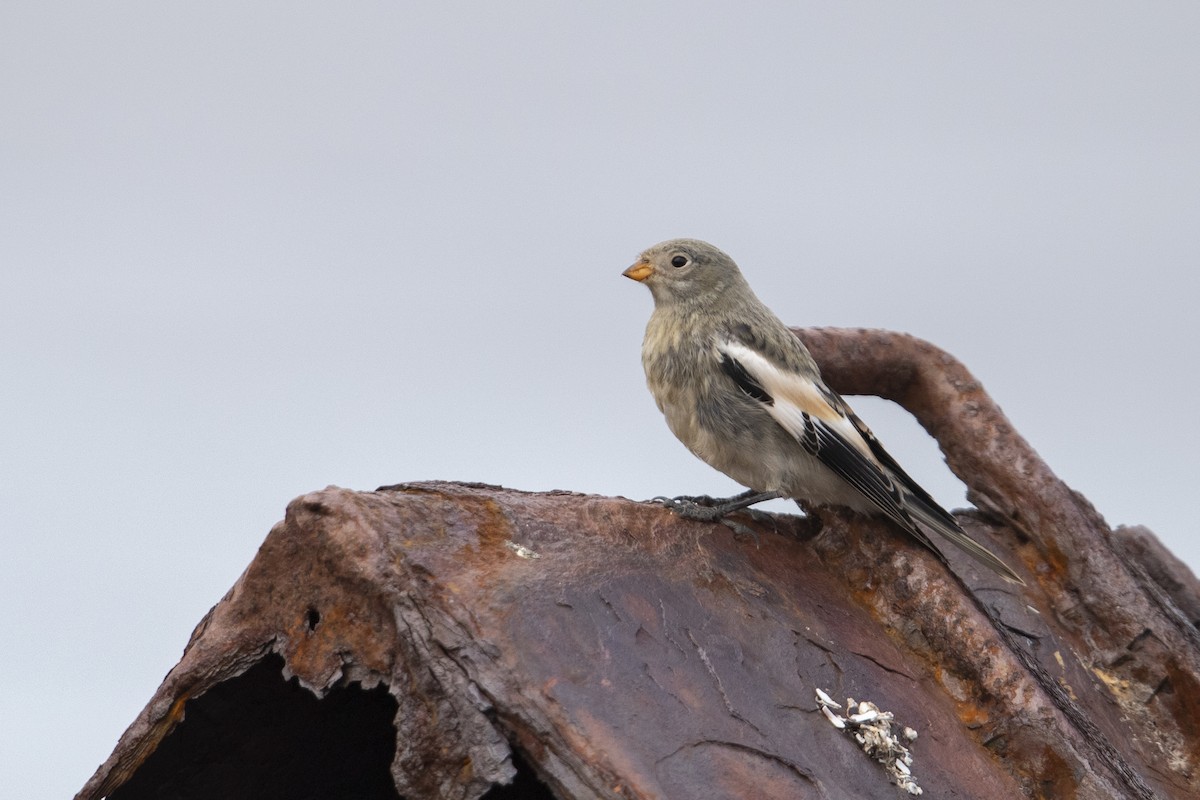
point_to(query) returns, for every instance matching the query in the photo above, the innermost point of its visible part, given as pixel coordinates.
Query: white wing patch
(796, 399)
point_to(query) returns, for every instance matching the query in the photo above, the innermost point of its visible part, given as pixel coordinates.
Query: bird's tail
(945, 526)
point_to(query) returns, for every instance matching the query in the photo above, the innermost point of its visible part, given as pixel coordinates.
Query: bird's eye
(679, 261)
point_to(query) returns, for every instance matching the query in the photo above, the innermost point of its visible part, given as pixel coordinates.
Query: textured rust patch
(1179, 696)
(1056, 780)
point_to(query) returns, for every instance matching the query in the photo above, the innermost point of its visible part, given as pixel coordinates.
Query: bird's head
(685, 271)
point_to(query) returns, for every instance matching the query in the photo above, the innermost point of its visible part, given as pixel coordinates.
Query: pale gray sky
(250, 250)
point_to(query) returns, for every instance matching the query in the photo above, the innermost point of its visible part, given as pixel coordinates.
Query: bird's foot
(705, 500)
(710, 509)
(698, 507)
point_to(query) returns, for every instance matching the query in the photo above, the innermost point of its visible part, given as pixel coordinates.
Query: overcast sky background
(250, 250)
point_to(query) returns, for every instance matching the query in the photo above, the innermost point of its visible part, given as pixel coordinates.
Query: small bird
(745, 396)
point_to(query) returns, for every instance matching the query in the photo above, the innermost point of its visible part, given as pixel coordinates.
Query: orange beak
(639, 271)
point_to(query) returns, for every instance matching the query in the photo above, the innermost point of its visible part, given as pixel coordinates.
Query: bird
(744, 395)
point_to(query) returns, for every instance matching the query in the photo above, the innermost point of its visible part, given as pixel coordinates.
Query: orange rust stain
(144, 749)
(176, 712)
(316, 651)
(491, 527)
(1051, 559)
(973, 715)
(466, 772)
(1046, 774)
(1056, 780)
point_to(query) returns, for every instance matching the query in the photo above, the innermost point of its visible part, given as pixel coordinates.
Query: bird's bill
(639, 271)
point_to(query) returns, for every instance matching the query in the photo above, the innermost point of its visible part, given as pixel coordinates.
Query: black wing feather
(860, 472)
(912, 488)
(752, 388)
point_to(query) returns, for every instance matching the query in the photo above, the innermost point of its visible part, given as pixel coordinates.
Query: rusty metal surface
(624, 652)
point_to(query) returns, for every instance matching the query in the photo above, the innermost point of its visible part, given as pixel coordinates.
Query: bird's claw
(707, 501)
(691, 507)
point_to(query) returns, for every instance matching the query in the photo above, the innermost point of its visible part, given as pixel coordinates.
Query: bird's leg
(709, 509)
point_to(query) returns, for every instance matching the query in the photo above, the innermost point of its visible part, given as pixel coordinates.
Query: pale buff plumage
(745, 396)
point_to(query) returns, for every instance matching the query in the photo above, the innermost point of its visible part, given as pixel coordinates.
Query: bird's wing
(810, 412)
(819, 419)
